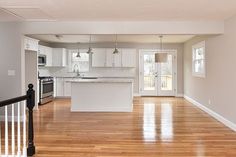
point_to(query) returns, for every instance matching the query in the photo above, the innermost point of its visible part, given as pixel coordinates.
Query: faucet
(76, 69)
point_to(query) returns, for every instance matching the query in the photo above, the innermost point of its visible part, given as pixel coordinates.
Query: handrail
(30, 102)
(13, 100)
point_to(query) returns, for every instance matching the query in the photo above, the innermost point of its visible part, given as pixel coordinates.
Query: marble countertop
(99, 80)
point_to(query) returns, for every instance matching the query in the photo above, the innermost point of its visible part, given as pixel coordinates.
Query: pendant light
(78, 53)
(90, 49)
(161, 57)
(116, 50)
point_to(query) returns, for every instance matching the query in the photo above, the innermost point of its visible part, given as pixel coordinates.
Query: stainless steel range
(45, 89)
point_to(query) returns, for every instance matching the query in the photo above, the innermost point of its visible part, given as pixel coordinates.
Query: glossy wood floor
(158, 127)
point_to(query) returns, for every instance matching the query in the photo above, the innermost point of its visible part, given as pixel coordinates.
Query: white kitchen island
(102, 95)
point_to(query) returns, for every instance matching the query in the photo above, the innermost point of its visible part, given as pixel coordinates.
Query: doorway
(157, 79)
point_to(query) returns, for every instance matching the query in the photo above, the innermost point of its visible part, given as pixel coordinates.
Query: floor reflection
(149, 123)
(166, 122)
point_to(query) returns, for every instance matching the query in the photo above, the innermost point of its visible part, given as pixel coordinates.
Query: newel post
(30, 106)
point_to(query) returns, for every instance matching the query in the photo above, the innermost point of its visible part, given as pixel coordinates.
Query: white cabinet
(99, 57)
(67, 87)
(59, 87)
(128, 57)
(109, 57)
(106, 58)
(117, 59)
(59, 57)
(31, 44)
(113, 60)
(62, 87)
(48, 52)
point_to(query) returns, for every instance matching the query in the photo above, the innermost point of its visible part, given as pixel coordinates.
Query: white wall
(10, 59)
(219, 85)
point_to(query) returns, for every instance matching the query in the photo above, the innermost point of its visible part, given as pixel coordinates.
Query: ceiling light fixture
(78, 53)
(161, 57)
(90, 49)
(116, 50)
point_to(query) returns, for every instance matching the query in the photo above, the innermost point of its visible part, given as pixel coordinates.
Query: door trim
(174, 51)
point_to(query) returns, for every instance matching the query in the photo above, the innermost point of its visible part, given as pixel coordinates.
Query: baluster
(30, 106)
(13, 130)
(24, 130)
(18, 129)
(6, 131)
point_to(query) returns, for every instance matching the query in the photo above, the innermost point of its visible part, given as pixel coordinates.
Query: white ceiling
(118, 10)
(112, 38)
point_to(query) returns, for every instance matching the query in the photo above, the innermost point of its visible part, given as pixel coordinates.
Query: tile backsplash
(97, 72)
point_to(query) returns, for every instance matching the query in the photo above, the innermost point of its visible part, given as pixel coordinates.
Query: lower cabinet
(59, 87)
(67, 88)
(62, 87)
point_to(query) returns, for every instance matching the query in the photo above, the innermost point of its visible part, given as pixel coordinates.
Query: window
(198, 59)
(80, 64)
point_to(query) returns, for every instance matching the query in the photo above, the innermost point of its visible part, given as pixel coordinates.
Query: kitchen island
(102, 95)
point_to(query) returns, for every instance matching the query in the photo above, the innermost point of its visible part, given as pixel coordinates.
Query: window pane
(149, 70)
(199, 53)
(79, 64)
(199, 66)
(166, 74)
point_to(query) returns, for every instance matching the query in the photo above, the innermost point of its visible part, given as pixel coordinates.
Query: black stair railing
(30, 103)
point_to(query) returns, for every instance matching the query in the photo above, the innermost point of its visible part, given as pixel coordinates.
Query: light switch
(11, 72)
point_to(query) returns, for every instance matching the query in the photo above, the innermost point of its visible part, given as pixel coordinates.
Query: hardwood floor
(167, 127)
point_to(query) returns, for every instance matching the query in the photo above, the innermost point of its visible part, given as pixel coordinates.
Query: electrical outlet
(11, 72)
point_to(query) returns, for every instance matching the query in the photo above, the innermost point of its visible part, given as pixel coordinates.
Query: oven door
(46, 89)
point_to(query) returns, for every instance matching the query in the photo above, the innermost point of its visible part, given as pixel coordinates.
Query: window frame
(199, 45)
(70, 60)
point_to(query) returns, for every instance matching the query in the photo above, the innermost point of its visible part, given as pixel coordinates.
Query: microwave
(42, 60)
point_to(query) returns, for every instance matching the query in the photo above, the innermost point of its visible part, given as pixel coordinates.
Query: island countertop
(101, 80)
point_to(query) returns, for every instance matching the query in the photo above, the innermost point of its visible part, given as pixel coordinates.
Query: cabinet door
(67, 88)
(60, 87)
(109, 58)
(128, 57)
(41, 49)
(99, 57)
(117, 59)
(59, 57)
(48, 53)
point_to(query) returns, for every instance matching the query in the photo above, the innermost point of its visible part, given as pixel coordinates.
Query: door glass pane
(167, 74)
(149, 71)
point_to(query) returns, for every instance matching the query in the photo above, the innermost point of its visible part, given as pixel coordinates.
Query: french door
(157, 79)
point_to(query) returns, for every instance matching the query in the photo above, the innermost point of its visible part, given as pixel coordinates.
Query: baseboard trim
(179, 95)
(212, 113)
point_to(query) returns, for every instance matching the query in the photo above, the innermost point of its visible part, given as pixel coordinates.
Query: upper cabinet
(31, 44)
(99, 57)
(48, 52)
(55, 57)
(106, 58)
(59, 57)
(128, 57)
